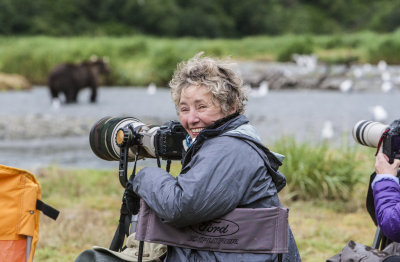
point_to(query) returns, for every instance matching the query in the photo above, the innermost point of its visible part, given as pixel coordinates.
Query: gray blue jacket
(226, 167)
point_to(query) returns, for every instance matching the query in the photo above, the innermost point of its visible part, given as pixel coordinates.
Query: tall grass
(323, 171)
(139, 60)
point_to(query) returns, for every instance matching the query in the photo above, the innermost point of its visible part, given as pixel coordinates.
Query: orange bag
(20, 203)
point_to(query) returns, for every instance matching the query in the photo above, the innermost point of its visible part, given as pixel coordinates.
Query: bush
(164, 63)
(304, 47)
(319, 171)
(388, 50)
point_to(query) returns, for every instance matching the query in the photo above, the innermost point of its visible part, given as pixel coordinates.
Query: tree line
(193, 18)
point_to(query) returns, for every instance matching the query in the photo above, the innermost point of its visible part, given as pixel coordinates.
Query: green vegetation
(326, 192)
(321, 171)
(140, 60)
(206, 18)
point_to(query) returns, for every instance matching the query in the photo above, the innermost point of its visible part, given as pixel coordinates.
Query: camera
(375, 134)
(109, 134)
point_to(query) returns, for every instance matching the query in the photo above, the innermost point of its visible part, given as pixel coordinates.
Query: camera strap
(128, 209)
(384, 135)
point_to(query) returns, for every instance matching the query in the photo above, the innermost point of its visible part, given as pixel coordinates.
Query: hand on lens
(382, 165)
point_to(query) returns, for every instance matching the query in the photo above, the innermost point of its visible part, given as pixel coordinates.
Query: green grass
(321, 170)
(322, 220)
(139, 60)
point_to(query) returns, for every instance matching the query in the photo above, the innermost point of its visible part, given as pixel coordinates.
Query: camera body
(375, 134)
(109, 134)
(391, 141)
(169, 140)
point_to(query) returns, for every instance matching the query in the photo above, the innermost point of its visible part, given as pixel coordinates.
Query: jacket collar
(222, 125)
(219, 127)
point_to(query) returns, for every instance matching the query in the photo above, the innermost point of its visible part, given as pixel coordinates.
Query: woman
(225, 165)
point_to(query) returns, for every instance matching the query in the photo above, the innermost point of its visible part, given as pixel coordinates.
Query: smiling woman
(226, 171)
(204, 92)
(197, 110)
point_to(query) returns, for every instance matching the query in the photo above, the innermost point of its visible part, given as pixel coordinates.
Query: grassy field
(89, 201)
(139, 60)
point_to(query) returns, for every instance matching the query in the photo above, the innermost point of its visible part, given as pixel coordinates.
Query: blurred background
(313, 70)
(314, 67)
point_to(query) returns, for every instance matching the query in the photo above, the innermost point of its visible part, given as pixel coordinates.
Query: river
(33, 134)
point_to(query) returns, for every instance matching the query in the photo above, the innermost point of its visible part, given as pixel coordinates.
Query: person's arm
(211, 185)
(386, 192)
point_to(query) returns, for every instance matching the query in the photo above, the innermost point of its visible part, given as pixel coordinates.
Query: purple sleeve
(387, 208)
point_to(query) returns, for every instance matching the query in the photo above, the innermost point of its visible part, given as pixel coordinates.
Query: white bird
(261, 91)
(379, 113)
(307, 62)
(387, 86)
(382, 65)
(151, 89)
(346, 86)
(327, 130)
(55, 103)
(299, 59)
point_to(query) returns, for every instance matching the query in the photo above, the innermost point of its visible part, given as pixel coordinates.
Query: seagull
(386, 86)
(55, 103)
(382, 66)
(308, 62)
(346, 86)
(151, 89)
(261, 91)
(327, 130)
(379, 113)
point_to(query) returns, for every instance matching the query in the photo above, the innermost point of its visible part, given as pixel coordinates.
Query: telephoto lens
(103, 137)
(368, 133)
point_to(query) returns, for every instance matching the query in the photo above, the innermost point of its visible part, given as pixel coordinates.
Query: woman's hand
(382, 165)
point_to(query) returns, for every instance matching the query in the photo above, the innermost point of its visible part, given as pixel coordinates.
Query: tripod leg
(377, 238)
(28, 247)
(134, 221)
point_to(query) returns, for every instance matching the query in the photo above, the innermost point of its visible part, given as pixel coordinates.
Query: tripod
(130, 207)
(380, 240)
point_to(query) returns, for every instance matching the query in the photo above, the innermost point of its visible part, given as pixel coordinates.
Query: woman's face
(196, 109)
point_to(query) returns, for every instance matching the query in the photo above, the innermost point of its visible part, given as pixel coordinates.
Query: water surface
(298, 113)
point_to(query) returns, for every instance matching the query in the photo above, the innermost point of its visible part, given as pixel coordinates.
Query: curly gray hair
(224, 85)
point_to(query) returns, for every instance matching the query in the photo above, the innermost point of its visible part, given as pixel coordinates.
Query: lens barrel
(368, 133)
(102, 137)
